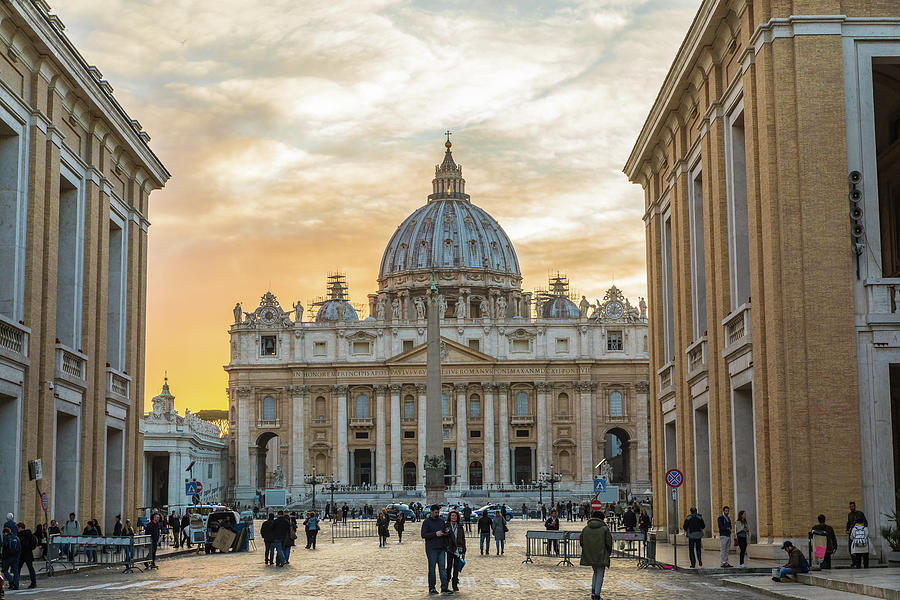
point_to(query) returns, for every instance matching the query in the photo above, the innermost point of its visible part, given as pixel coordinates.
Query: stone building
(177, 449)
(769, 163)
(76, 174)
(533, 383)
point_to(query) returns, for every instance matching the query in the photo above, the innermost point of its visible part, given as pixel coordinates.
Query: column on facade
(587, 432)
(396, 472)
(489, 477)
(298, 442)
(380, 441)
(420, 460)
(343, 470)
(641, 406)
(542, 425)
(504, 477)
(462, 437)
(242, 447)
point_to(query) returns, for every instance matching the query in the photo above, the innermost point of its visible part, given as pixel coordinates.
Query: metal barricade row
(565, 546)
(85, 550)
(357, 528)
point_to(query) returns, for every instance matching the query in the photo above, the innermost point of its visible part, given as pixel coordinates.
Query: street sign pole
(675, 516)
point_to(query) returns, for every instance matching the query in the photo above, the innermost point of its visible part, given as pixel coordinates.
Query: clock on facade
(614, 310)
(268, 316)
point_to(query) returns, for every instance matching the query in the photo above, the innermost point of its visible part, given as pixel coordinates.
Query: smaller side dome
(556, 303)
(336, 307)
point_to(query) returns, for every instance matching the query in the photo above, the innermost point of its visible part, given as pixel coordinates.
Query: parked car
(491, 509)
(394, 510)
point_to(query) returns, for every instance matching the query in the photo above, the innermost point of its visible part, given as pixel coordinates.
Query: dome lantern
(448, 182)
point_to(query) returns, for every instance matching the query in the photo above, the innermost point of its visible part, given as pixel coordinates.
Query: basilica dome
(450, 233)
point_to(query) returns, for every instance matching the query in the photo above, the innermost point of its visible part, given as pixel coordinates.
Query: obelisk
(434, 441)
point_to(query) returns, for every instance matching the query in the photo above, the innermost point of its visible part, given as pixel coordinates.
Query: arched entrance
(268, 459)
(409, 475)
(476, 478)
(616, 452)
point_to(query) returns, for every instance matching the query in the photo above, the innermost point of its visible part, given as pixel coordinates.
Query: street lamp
(331, 487)
(314, 480)
(551, 478)
(540, 487)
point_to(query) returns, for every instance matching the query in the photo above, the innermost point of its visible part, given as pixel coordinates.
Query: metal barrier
(565, 546)
(358, 528)
(84, 550)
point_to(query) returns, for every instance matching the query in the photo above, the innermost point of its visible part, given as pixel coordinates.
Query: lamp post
(550, 479)
(331, 487)
(314, 480)
(540, 487)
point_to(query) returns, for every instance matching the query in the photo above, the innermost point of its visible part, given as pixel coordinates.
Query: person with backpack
(854, 517)
(830, 540)
(311, 525)
(10, 551)
(28, 544)
(859, 548)
(596, 547)
(693, 529)
(797, 563)
(268, 537)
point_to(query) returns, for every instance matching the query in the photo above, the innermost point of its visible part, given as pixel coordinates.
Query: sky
(300, 134)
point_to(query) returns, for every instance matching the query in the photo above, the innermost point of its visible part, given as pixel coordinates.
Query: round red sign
(199, 487)
(596, 505)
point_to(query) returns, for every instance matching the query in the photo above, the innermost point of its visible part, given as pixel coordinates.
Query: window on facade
(615, 404)
(409, 408)
(321, 414)
(10, 255)
(521, 433)
(362, 435)
(698, 256)
(885, 83)
(522, 404)
(475, 407)
(668, 306)
(209, 471)
(562, 345)
(409, 435)
(445, 404)
(268, 409)
(407, 345)
(475, 344)
(476, 433)
(362, 406)
(362, 347)
(738, 227)
(521, 346)
(319, 349)
(68, 275)
(446, 431)
(562, 404)
(115, 297)
(267, 345)
(614, 341)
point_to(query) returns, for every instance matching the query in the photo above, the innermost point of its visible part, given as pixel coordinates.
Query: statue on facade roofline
(379, 309)
(642, 304)
(501, 307)
(584, 305)
(298, 311)
(420, 307)
(238, 313)
(460, 311)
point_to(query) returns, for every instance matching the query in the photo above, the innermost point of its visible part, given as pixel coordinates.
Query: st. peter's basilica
(532, 382)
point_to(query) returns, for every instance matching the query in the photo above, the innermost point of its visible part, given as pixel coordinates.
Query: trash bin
(651, 546)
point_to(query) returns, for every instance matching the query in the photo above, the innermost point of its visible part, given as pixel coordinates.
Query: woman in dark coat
(399, 525)
(382, 522)
(455, 545)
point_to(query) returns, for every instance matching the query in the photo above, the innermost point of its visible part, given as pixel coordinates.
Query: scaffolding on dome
(557, 286)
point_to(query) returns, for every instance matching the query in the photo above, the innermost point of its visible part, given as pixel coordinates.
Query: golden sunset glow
(301, 134)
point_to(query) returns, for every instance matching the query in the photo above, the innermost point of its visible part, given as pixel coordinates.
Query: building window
(268, 409)
(409, 408)
(562, 404)
(362, 435)
(362, 406)
(522, 404)
(476, 433)
(668, 293)
(446, 431)
(521, 433)
(521, 345)
(475, 407)
(738, 227)
(362, 348)
(409, 435)
(475, 344)
(319, 349)
(209, 471)
(321, 408)
(615, 404)
(887, 154)
(698, 256)
(10, 304)
(407, 345)
(614, 341)
(562, 345)
(445, 404)
(267, 345)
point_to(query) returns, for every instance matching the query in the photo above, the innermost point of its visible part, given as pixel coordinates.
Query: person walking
(859, 549)
(524, 511)
(455, 546)
(693, 527)
(11, 523)
(467, 516)
(797, 563)
(433, 532)
(10, 552)
(382, 523)
(724, 525)
(117, 526)
(292, 535)
(311, 525)
(629, 520)
(27, 544)
(186, 530)
(854, 517)
(128, 531)
(552, 524)
(265, 532)
(153, 529)
(644, 523)
(830, 537)
(344, 510)
(742, 534)
(499, 529)
(71, 527)
(485, 526)
(175, 526)
(596, 547)
(399, 526)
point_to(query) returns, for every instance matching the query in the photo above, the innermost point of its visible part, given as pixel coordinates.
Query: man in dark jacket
(265, 532)
(724, 525)
(186, 530)
(433, 532)
(797, 563)
(467, 516)
(830, 537)
(27, 543)
(552, 524)
(10, 552)
(693, 529)
(281, 533)
(484, 529)
(153, 529)
(629, 520)
(175, 526)
(596, 547)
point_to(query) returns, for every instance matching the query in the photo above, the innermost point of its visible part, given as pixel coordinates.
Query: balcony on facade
(361, 423)
(268, 423)
(448, 420)
(409, 420)
(666, 377)
(118, 386)
(738, 332)
(521, 420)
(883, 307)
(696, 359)
(14, 340)
(71, 365)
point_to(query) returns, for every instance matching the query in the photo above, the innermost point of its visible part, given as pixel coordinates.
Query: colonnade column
(504, 433)
(543, 464)
(343, 469)
(300, 394)
(380, 441)
(642, 473)
(587, 432)
(242, 447)
(462, 437)
(396, 475)
(488, 433)
(420, 460)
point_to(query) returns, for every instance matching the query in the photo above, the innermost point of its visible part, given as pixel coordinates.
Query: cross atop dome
(448, 183)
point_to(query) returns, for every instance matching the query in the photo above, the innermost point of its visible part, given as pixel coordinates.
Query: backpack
(860, 539)
(11, 544)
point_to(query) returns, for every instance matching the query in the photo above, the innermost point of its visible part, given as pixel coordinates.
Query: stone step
(873, 583)
(765, 585)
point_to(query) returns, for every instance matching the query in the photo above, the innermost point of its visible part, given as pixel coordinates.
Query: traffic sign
(44, 502)
(596, 505)
(599, 485)
(199, 487)
(674, 478)
(190, 488)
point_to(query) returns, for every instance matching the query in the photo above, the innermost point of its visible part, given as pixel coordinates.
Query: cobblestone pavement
(360, 569)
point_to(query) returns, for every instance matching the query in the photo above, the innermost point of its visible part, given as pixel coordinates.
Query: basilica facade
(533, 383)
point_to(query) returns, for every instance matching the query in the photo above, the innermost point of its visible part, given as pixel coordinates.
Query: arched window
(475, 406)
(522, 404)
(615, 404)
(321, 408)
(565, 462)
(409, 407)
(562, 404)
(362, 406)
(268, 409)
(445, 404)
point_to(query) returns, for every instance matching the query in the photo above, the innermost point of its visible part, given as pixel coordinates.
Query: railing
(13, 336)
(696, 355)
(521, 420)
(117, 383)
(737, 329)
(71, 363)
(362, 422)
(409, 420)
(448, 420)
(82, 550)
(268, 423)
(353, 529)
(565, 546)
(665, 378)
